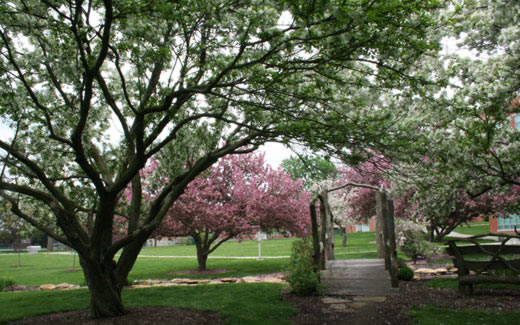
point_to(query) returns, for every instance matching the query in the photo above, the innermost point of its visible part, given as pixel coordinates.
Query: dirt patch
(15, 266)
(214, 271)
(395, 309)
(417, 293)
(136, 315)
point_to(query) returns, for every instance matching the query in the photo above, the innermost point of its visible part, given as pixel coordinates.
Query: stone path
(356, 286)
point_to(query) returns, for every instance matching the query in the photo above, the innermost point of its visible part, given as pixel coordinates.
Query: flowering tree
(234, 199)
(471, 145)
(430, 197)
(361, 205)
(74, 72)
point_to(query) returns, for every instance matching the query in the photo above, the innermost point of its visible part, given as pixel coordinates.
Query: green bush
(302, 278)
(401, 263)
(5, 282)
(415, 244)
(405, 273)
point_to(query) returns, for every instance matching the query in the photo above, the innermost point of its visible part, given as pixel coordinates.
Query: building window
(517, 121)
(508, 224)
(362, 228)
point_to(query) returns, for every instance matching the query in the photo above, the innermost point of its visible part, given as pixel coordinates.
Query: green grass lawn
(259, 303)
(41, 268)
(443, 283)
(473, 228)
(429, 315)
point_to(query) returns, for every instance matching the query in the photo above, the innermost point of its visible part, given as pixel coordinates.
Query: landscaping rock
(425, 271)
(331, 300)
(273, 280)
(358, 305)
(250, 279)
(63, 286)
(165, 284)
(190, 282)
(47, 287)
(370, 299)
(441, 270)
(228, 280)
(152, 281)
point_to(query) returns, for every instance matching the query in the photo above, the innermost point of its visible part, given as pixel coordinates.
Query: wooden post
(386, 229)
(323, 234)
(379, 224)
(391, 242)
(315, 237)
(329, 248)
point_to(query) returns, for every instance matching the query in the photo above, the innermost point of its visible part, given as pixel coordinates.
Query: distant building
(508, 224)
(359, 227)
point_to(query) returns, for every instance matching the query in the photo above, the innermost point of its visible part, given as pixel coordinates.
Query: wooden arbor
(323, 238)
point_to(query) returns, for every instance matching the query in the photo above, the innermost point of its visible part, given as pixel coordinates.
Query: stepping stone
(358, 305)
(370, 299)
(338, 306)
(330, 300)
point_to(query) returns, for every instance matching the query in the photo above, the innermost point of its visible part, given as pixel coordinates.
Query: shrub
(303, 279)
(401, 263)
(6, 282)
(405, 273)
(413, 241)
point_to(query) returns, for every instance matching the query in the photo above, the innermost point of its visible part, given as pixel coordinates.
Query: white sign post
(259, 237)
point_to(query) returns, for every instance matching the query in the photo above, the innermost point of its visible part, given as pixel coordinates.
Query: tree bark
(315, 236)
(343, 231)
(50, 244)
(105, 288)
(379, 224)
(327, 225)
(202, 256)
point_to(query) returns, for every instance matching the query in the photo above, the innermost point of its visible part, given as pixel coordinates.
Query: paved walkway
(459, 235)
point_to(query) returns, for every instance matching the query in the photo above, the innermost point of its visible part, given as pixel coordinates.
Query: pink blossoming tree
(236, 198)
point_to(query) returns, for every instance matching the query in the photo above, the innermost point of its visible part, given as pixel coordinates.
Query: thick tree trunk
(202, 256)
(105, 288)
(431, 231)
(50, 244)
(343, 236)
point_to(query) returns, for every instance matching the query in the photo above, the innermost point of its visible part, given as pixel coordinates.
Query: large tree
(96, 88)
(470, 139)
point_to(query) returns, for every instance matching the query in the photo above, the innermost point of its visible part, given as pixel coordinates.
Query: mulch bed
(395, 309)
(136, 316)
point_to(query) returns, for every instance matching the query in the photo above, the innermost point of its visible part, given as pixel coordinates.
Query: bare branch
(354, 185)
(16, 210)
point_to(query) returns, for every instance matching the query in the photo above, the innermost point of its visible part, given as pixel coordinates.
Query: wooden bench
(490, 257)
